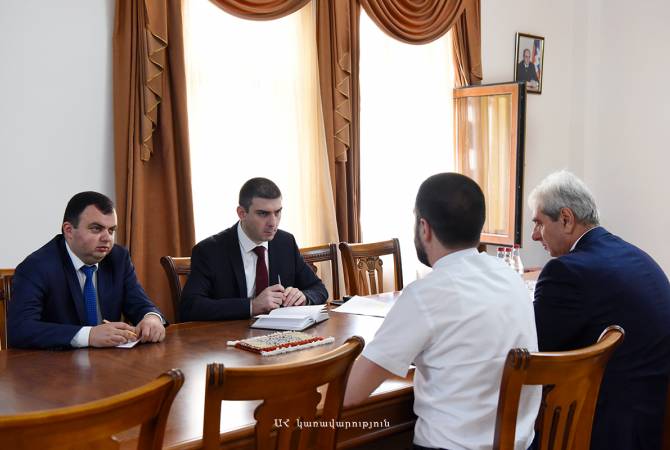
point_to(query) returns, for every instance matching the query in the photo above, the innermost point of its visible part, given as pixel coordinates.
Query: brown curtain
(411, 21)
(337, 41)
(467, 43)
(260, 9)
(152, 162)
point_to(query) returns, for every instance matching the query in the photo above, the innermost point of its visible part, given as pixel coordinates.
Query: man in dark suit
(597, 279)
(525, 70)
(73, 290)
(229, 271)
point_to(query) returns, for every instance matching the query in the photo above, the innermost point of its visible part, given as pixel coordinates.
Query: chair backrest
(571, 383)
(363, 272)
(6, 276)
(177, 269)
(289, 391)
(321, 253)
(93, 424)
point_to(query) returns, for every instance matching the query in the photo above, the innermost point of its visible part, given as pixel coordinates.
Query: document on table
(295, 318)
(129, 344)
(367, 306)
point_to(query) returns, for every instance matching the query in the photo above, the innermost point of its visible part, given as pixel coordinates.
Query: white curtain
(406, 133)
(254, 110)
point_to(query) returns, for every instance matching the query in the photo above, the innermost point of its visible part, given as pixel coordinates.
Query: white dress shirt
(457, 325)
(249, 259)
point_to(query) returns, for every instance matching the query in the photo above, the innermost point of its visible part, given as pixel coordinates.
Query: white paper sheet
(129, 344)
(366, 306)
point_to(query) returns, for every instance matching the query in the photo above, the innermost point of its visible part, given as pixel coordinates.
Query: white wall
(628, 157)
(604, 111)
(56, 135)
(550, 116)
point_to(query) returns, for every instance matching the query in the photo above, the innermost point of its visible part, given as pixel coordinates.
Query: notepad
(294, 318)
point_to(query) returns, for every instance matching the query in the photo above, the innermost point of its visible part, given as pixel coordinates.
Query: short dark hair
(257, 187)
(454, 207)
(81, 201)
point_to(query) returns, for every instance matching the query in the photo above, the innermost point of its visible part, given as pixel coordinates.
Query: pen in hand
(131, 332)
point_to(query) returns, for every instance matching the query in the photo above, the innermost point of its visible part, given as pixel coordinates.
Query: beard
(420, 249)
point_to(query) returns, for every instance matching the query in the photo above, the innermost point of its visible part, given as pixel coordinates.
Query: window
(489, 149)
(254, 110)
(406, 132)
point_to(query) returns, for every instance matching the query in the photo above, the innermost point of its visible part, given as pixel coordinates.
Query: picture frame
(529, 61)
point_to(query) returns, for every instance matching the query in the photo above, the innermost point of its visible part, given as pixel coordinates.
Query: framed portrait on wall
(529, 61)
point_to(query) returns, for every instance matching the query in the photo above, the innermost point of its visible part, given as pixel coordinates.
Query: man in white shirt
(456, 325)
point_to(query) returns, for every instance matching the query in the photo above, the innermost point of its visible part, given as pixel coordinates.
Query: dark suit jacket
(607, 281)
(524, 73)
(217, 289)
(47, 307)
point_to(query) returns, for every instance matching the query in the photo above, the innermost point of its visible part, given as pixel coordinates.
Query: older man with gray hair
(597, 279)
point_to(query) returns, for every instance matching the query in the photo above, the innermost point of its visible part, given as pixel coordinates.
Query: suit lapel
(273, 269)
(232, 249)
(77, 295)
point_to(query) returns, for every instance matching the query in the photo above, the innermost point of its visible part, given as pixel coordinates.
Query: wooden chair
(92, 425)
(363, 272)
(177, 269)
(321, 253)
(571, 383)
(289, 391)
(6, 276)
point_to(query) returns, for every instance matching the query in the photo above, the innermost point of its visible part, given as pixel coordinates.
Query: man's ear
(426, 230)
(567, 219)
(241, 212)
(67, 229)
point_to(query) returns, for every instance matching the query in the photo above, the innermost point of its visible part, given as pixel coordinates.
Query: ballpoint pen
(279, 282)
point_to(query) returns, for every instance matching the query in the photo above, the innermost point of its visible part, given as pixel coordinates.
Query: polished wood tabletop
(33, 380)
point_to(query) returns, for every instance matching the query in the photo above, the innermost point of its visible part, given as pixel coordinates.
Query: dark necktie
(261, 270)
(89, 296)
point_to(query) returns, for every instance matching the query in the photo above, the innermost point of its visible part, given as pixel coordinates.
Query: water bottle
(516, 259)
(508, 256)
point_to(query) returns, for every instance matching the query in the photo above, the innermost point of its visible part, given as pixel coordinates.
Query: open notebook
(292, 317)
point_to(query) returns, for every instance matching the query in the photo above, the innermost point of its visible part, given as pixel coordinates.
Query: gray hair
(563, 189)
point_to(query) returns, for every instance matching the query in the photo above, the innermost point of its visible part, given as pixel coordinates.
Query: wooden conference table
(33, 380)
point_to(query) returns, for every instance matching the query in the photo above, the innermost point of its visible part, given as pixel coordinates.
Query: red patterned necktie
(261, 270)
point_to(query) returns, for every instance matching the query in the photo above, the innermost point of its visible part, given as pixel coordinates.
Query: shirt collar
(76, 262)
(245, 242)
(455, 257)
(580, 237)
